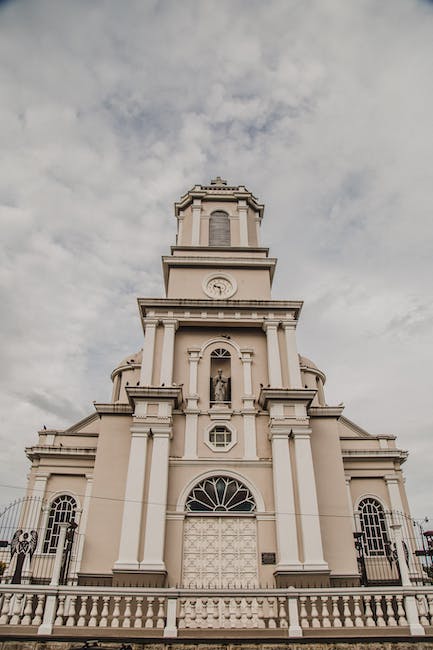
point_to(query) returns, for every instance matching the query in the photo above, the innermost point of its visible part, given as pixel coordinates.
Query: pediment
(86, 425)
(349, 429)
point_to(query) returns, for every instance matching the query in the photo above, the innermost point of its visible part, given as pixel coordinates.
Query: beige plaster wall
(106, 504)
(335, 517)
(253, 283)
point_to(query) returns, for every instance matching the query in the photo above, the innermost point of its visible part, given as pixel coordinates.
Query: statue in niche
(220, 387)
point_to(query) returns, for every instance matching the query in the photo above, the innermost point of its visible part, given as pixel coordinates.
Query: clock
(219, 286)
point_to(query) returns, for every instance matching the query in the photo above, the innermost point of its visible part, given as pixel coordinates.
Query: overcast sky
(111, 110)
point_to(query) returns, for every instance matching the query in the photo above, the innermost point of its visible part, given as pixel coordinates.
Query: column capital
(270, 324)
(194, 353)
(150, 322)
(289, 324)
(391, 479)
(247, 355)
(170, 322)
(301, 434)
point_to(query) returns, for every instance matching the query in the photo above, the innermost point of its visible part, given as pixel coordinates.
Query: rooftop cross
(218, 181)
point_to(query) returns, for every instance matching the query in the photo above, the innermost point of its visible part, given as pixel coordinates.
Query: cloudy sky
(111, 110)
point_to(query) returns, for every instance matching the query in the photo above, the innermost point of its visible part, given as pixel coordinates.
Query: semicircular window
(220, 494)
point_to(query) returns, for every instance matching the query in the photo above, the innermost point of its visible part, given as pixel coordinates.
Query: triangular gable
(86, 425)
(352, 430)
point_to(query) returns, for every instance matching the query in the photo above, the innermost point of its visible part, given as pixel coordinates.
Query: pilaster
(274, 361)
(196, 216)
(150, 325)
(167, 355)
(292, 354)
(243, 222)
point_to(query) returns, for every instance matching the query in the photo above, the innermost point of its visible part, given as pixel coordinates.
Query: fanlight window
(62, 510)
(220, 494)
(220, 353)
(219, 229)
(373, 525)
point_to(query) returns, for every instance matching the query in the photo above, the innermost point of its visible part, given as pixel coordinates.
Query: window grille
(62, 510)
(220, 494)
(373, 526)
(220, 437)
(219, 229)
(220, 353)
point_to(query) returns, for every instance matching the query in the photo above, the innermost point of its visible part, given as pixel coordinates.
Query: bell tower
(218, 253)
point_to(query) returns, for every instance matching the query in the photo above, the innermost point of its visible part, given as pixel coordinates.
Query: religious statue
(22, 544)
(220, 387)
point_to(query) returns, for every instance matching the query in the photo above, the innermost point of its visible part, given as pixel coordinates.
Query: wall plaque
(269, 558)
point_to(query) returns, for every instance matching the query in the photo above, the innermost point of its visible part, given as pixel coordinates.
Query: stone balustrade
(277, 613)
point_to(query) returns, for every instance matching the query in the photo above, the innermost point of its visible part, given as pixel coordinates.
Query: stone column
(83, 520)
(393, 485)
(148, 352)
(274, 362)
(257, 221)
(243, 222)
(292, 355)
(308, 506)
(180, 218)
(350, 503)
(248, 411)
(153, 560)
(196, 221)
(191, 411)
(285, 517)
(133, 505)
(167, 355)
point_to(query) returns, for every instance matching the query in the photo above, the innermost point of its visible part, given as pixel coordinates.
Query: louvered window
(219, 229)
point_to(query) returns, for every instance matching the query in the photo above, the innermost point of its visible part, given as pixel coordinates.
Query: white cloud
(111, 111)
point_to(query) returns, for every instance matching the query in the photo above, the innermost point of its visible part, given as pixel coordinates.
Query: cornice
(42, 451)
(113, 409)
(302, 395)
(325, 411)
(160, 393)
(375, 454)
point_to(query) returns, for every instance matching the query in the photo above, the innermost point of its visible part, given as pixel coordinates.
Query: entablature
(59, 451)
(299, 395)
(228, 313)
(171, 394)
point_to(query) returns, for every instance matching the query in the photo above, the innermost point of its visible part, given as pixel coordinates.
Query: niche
(220, 385)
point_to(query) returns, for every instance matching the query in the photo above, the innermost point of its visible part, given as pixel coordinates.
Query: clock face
(219, 286)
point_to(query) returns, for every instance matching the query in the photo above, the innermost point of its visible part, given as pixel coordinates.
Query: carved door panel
(220, 552)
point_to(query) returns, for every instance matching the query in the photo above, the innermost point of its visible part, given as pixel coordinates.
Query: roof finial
(218, 181)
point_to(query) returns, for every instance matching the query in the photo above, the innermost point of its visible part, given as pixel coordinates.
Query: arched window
(220, 494)
(373, 525)
(62, 510)
(219, 229)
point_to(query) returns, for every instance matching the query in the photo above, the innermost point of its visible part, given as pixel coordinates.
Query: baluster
(346, 612)
(138, 622)
(93, 612)
(39, 610)
(232, 613)
(430, 607)
(82, 613)
(238, 615)
(203, 612)
(210, 613)
(254, 613)
(325, 612)
(260, 614)
(103, 621)
(217, 603)
(149, 612)
(244, 620)
(314, 613)
(422, 609)
(303, 615)
(402, 621)
(248, 612)
(390, 611)
(16, 616)
(60, 610)
(116, 612)
(182, 614)
(357, 613)
(4, 618)
(282, 613)
(380, 621)
(160, 621)
(225, 613)
(193, 615)
(28, 610)
(127, 612)
(369, 620)
(336, 620)
(272, 624)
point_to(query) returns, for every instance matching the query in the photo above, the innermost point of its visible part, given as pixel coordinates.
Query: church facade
(218, 461)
